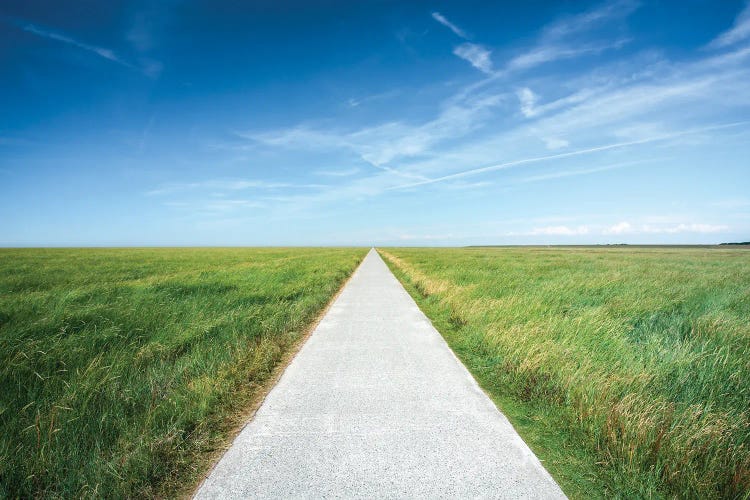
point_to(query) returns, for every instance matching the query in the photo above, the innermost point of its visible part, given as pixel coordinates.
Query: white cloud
(559, 231)
(437, 16)
(619, 228)
(528, 100)
(739, 31)
(476, 55)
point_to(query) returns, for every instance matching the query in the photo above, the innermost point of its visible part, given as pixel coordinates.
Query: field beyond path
(376, 405)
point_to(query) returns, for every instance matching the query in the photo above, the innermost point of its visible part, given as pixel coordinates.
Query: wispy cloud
(437, 16)
(426, 237)
(637, 100)
(382, 144)
(392, 146)
(374, 145)
(583, 171)
(147, 66)
(561, 39)
(618, 145)
(140, 34)
(555, 52)
(229, 185)
(559, 231)
(151, 68)
(354, 102)
(100, 51)
(213, 207)
(590, 19)
(144, 32)
(739, 31)
(528, 100)
(225, 205)
(477, 55)
(347, 172)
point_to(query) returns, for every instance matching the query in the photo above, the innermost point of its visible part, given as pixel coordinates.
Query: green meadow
(122, 370)
(627, 370)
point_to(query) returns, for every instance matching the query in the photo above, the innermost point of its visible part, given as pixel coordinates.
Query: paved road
(376, 405)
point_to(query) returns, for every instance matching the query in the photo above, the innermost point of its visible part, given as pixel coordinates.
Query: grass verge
(123, 370)
(626, 370)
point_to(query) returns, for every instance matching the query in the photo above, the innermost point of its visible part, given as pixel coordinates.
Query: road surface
(375, 404)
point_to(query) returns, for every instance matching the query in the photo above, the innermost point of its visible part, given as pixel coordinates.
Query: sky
(374, 123)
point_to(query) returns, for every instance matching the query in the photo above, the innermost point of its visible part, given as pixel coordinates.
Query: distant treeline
(738, 243)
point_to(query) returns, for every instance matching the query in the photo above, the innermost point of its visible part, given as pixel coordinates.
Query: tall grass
(639, 356)
(120, 367)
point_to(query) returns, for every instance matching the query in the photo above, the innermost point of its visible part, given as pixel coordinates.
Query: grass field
(626, 370)
(121, 369)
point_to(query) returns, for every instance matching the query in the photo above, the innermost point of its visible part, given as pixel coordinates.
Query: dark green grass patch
(120, 367)
(626, 370)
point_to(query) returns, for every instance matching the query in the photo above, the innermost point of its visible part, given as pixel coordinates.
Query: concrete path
(376, 405)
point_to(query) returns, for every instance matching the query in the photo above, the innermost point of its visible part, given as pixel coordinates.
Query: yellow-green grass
(626, 370)
(121, 368)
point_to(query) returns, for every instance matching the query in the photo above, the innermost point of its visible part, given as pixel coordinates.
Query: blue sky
(374, 123)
